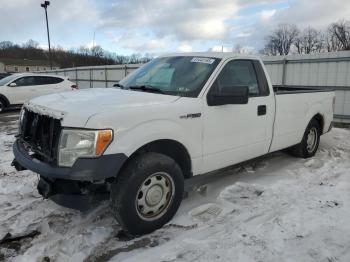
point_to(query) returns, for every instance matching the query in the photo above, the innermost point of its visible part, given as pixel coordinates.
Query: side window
(238, 73)
(55, 80)
(47, 80)
(25, 81)
(44, 80)
(38, 80)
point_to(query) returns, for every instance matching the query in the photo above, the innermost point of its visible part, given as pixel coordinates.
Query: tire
(2, 105)
(147, 193)
(310, 142)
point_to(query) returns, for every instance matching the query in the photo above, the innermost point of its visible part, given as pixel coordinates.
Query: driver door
(237, 132)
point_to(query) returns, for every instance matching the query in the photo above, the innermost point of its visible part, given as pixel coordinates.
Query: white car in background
(18, 88)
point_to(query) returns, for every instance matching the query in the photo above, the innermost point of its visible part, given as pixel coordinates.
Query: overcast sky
(155, 26)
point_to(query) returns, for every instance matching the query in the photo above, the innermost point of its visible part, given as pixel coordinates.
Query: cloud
(218, 48)
(267, 14)
(163, 25)
(142, 42)
(184, 47)
(316, 14)
(256, 26)
(187, 20)
(25, 19)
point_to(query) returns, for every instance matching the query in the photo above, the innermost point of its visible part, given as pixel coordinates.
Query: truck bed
(281, 90)
(294, 109)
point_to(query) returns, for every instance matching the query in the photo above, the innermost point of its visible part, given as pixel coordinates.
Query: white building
(8, 65)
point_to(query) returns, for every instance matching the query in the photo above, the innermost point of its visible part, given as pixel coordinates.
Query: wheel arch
(170, 148)
(4, 98)
(320, 120)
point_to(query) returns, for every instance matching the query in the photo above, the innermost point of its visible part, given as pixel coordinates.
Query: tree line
(288, 38)
(82, 56)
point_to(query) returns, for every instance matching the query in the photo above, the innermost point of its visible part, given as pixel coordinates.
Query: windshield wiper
(146, 89)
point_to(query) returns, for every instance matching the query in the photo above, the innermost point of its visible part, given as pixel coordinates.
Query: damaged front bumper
(86, 175)
(84, 169)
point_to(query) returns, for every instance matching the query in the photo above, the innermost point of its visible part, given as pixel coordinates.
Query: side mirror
(13, 85)
(238, 95)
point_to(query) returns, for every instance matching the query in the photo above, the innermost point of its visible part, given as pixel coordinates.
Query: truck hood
(76, 107)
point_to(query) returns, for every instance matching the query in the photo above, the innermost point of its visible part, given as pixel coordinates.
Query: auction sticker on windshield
(202, 60)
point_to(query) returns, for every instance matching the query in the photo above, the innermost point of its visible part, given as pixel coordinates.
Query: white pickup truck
(176, 117)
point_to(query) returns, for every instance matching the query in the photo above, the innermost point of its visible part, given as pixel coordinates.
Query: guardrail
(96, 76)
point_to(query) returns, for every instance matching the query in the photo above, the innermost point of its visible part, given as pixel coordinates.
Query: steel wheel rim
(155, 196)
(311, 140)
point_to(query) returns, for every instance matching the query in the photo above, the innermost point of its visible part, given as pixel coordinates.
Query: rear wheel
(309, 145)
(147, 193)
(2, 105)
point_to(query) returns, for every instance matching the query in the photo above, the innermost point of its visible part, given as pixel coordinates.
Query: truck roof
(214, 55)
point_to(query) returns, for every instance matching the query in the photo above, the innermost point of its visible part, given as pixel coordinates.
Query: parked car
(176, 117)
(18, 88)
(3, 75)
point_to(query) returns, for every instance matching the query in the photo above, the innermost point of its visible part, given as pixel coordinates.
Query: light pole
(45, 5)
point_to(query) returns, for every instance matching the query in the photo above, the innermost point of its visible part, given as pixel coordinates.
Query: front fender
(131, 139)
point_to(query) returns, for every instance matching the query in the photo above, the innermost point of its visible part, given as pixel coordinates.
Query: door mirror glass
(12, 84)
(238, 95)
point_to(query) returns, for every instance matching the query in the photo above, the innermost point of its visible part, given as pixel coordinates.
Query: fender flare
(315, 111)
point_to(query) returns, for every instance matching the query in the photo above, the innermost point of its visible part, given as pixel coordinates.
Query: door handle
(261, 110)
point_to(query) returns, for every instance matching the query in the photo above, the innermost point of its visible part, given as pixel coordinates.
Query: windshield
(178, 75)
(7, 79)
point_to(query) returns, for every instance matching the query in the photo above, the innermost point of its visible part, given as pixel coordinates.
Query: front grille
(40, 134)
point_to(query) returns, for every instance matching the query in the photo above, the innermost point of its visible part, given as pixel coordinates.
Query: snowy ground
(278, 209)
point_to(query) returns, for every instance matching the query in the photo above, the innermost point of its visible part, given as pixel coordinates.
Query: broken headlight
(77, 143)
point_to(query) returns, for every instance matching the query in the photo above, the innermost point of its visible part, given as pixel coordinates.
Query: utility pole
(93, 41)
(45, 5)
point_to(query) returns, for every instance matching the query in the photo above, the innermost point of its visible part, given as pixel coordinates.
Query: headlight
(75, 143)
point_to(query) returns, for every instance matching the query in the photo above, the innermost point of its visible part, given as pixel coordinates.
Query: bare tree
(6, 44)
(341, 31)
(97, 51)
(332, 44)
(309, 41)
(270, 48)
(239, 49)
(281, 40)
(82, 56)
(31, 44)
(84, 50)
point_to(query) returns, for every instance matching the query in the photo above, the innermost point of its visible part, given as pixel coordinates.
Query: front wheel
(147, 193)
(311, 140)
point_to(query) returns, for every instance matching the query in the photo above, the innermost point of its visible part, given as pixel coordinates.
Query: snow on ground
(278, 208)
